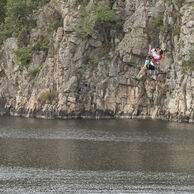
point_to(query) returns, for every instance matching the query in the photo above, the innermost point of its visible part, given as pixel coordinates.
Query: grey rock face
(93, 78)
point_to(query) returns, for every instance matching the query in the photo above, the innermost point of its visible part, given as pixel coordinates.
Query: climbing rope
(148, 34)
(149, 41)
(147, 26)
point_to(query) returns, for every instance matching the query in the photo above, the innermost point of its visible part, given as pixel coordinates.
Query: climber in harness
(154, 55)
(152, 60)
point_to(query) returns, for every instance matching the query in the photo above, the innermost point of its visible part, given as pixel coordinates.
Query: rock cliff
(93, 76)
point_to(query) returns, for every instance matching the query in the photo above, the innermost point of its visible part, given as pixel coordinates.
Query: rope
(156, 73)
(148, 34)
(147, 26)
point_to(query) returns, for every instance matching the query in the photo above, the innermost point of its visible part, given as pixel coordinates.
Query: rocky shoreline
(88, 115)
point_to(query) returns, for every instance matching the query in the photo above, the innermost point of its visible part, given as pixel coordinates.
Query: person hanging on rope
(154, 55)
(153, 59)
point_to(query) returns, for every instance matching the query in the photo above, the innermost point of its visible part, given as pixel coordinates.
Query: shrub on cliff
(24, 56)
(98, 16)
(157, 25)
(165, 29)
(16, 17)
(188, 65)
(47, 97)
(76, 2)
(25, 53)
(2, 10)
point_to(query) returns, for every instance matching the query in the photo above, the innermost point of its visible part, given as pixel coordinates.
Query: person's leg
(154, 74)
(143, 69)
(142, 72)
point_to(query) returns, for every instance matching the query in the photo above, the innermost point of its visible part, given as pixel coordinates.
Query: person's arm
(149, 52)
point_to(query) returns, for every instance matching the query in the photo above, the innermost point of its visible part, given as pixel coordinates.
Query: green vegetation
(155, 23)
(165, 29)
(24, 54)
(76, 2)
(176, 31)
(188, 66)
(47, 97)
(54, 25)
(2, 11)
(94, 60)
(16, 18)
(99, 17)
(52, 2)
(158, 26)
(41, 2)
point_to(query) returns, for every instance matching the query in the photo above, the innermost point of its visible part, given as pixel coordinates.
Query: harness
(154, 61)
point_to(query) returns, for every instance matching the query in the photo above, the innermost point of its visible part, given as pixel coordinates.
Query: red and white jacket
(155, 58)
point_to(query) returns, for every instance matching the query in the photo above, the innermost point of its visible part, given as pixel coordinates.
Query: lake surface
(95, 156)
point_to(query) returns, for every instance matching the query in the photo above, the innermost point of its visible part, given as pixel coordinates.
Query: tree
(2, 10)
(17, 18)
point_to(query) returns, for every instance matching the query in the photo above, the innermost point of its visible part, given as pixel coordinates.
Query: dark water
(96, 156)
